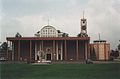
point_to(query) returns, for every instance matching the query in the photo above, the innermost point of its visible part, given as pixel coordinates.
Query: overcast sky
(29, 16)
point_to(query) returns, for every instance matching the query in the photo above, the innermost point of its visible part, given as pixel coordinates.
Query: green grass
(60, 71)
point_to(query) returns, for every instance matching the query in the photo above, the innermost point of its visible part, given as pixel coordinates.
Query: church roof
(49, 38)
(48, 26)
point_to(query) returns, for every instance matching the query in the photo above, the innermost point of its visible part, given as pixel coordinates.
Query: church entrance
(48, 57)
(59, 56)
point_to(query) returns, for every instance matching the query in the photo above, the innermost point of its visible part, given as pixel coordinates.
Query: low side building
(101, 49)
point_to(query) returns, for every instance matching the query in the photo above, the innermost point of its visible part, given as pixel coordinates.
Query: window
(48, 32)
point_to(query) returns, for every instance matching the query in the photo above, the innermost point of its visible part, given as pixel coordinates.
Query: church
(50, 44)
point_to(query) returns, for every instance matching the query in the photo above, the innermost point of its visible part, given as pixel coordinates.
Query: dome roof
(48, 31)
(48, 26)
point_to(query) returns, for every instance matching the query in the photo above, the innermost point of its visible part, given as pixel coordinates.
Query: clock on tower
(83, 25)
(83, 22)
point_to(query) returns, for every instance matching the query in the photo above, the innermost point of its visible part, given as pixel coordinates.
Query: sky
(29, 16)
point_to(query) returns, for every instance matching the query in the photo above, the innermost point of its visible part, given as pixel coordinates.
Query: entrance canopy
(62, 48)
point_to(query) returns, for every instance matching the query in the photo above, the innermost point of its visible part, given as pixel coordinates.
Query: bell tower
(83, 23)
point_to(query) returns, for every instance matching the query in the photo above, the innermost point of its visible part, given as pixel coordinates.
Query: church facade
(50, 44)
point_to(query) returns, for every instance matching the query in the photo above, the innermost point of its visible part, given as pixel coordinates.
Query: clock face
(83, 23)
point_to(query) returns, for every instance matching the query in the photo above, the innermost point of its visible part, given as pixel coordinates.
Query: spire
(48, 21)
(83, 14)
(99, 36)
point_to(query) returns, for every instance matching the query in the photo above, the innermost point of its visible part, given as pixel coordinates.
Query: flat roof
(47, 38)
(99, 41)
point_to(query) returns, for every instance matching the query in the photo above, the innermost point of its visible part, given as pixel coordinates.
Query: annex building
(101, 49)
(50, 44)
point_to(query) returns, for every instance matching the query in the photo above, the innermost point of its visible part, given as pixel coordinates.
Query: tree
(37, 34)
(119, 46)
(65, 35)
(92, 54)
(18, 35)
(3, 49)
(114, 53)
(58, 31)
(82, 35)
(78, 35)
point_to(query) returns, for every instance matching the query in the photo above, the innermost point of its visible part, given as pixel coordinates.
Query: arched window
(49, 31)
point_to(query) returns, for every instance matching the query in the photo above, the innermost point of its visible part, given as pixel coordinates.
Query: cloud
(35, 23)
(20, 8)
(104, 18)
(9, 27)
(29, 16)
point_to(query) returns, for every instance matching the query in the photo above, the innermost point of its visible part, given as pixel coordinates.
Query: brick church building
(50, 44)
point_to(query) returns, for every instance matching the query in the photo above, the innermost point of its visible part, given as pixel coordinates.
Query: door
(48, 57)
(59, 56)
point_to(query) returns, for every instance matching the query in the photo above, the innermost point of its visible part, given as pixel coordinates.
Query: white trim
(12, 51)
(57, 50)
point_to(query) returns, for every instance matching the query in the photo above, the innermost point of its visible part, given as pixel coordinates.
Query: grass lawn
(60, 71)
